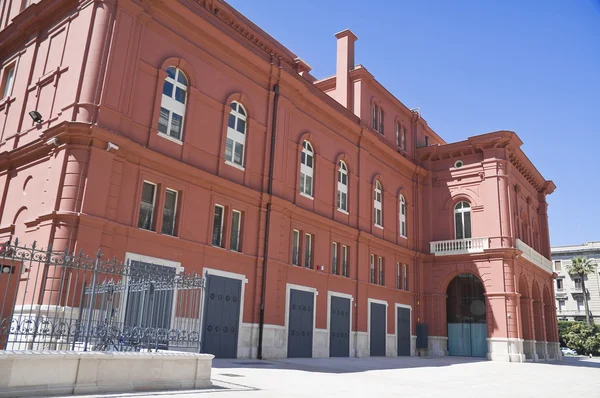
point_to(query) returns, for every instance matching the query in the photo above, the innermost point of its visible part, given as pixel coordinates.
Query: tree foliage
(579, 336)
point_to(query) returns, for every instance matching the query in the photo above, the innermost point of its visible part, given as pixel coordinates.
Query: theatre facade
(327, 218)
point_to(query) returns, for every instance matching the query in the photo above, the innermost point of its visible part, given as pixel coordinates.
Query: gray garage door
(300, 330)
(403, 331)
(378, 333)
(221, 316)
(339, 333)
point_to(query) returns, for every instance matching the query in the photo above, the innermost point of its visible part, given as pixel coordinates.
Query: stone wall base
(505, 349)
(437, 346)
(44, 373)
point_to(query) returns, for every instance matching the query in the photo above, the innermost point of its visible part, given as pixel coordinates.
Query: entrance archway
(466, 316)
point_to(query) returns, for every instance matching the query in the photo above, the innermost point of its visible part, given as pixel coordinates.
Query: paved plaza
(395, 377)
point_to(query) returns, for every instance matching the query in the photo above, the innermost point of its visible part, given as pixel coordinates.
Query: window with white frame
(172, 106)
(462, 220)
(345, 261)
(146, 218)
(236, 135)
(372, 269)
(398, 276)
(169, 212)
(577, 282)
(236, 223)
(296, 247)
(381, 273)
(307, 169)
(381, 121)
(405, 277)
(561, 305)
(8, 79)
(219, 217)
(342, 187)
(308, 251)
(377, 205)
(402, 216)
(334, 258)
(580, 305)
(559, 284)
(557, 265)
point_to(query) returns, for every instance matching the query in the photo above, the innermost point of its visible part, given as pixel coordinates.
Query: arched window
(306, 169)
(342, 187)
(402, 216)
(462, 220)
(172, 105)
(236, 135)
(377, 205)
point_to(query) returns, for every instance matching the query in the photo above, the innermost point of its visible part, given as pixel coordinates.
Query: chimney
(345, 62)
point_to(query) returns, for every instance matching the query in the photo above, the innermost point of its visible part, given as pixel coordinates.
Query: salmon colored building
(328, 218)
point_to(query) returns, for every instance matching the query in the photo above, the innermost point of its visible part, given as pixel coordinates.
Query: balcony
(459, 246)
(534, 257)
(560, 293)
(576, 290)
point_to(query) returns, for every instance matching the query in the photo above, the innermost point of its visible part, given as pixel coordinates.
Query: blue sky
(474, 66)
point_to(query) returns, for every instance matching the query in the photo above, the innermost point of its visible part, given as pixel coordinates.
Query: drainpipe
(261, 321)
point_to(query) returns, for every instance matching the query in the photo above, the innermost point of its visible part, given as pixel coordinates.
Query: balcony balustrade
(533, 256)
(459, 246)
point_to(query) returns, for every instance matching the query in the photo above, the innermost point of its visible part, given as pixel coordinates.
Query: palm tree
(581, 266)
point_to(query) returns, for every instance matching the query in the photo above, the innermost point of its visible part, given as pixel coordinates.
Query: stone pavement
(395, 377)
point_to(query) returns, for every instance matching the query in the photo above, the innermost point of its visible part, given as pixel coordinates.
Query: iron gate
(67, 301)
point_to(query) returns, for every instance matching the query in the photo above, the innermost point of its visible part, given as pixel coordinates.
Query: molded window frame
(238, 116)
(342, 187)
(378, 205)
(171, 104)
(462, 210)
(402, 215)
(307, 167)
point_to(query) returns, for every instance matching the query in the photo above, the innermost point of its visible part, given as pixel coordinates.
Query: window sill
(168, 137)
(343, 211)
(403, 236)
(237, 166)
(307, 196)
(378, 226)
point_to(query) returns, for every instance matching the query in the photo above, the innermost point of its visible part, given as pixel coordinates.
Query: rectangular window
(334, 258)
(147, 206)
(9, 77)
(217, 237)
(558, 265)
(380, 121)
(559, 284)
(236, 221)
(406, 277)
(345, 261)
(169, 212)
(296, 247)
(397, 134)
(577, 283)
(308, 251)
(580, 305)
(372, 269)
(398, 277)
(561, 305)
(381, 280)
(163, 120)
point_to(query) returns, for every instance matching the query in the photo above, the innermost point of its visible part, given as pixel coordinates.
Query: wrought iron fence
(68, 301)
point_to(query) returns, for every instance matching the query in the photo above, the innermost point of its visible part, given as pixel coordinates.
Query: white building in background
(568, 289)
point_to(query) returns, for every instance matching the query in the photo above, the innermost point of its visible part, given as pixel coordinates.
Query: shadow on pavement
(579, 361)
(343, 365)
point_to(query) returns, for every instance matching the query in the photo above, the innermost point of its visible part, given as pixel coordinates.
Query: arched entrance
(466, 316)
(527, 335)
